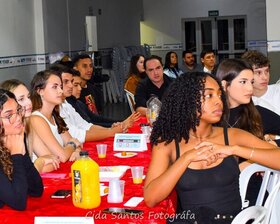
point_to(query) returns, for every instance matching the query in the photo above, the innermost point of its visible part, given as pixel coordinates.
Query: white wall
(273, 37)
(17, 27)
(272, 10)
(163, 18)
(30, 27)
(114, 26)
(17, 36)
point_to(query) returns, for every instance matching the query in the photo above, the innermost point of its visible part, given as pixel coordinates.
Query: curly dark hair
(39, 81)
(181, 108)
(5, 155)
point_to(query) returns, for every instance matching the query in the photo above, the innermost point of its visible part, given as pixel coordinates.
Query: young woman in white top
(46, 163)
(49, 131)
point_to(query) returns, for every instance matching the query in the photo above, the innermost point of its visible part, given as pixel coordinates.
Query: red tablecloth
(60, 179)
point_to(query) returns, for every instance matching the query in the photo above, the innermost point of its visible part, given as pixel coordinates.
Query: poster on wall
(259, 45)
(273, 45)
(14, 61)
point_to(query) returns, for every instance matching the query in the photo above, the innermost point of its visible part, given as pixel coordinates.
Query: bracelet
(73, 144)
(252, 153)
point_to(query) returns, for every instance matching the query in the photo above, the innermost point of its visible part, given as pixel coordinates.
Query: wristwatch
(73, 144)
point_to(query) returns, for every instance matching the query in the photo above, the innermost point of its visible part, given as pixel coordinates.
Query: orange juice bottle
(85, 182)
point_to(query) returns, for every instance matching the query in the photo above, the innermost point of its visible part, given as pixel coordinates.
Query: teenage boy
(265, 95)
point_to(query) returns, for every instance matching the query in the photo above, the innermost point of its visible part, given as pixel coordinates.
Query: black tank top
(216, 188)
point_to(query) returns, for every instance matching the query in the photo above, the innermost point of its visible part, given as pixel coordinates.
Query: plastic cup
(122, 184)
(101, 150)
(146, 130)
(137, 174)
(115, 191)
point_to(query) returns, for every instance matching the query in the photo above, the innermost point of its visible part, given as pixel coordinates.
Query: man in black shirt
(155, 83)
(90, 95)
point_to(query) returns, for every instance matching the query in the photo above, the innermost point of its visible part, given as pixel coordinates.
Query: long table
(60, 179)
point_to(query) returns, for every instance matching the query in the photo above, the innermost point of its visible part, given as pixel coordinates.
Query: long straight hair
(38, 82)
(250, 118)
(133, 70)
(168, 60)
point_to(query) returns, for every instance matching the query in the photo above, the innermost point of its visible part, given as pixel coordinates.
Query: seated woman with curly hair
(18, 176)
(195, 157)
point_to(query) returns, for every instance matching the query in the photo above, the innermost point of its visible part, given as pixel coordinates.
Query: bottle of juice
(85, 182)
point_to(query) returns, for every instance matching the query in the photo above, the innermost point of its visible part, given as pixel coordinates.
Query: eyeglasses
(13, 117)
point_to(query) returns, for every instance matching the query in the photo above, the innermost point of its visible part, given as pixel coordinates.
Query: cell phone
(122, 211)
(61, 194)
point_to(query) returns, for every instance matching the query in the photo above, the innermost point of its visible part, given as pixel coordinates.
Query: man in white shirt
(265, 95)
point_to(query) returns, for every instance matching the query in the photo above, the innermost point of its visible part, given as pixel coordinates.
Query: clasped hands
(210, 152)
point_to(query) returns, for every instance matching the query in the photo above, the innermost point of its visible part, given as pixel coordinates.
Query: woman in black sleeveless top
(195, 157)
(237, 79)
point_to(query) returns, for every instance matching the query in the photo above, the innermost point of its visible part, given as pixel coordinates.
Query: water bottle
(153, 108)
(85, 182)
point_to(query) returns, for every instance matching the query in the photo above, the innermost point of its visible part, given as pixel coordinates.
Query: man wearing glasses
(264, 95)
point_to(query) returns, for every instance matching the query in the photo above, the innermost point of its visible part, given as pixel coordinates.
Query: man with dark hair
(90, 95)
(265, 95)
(82, 109)
(155, 83)
(78, 127)
(208, 60)
(189, 64)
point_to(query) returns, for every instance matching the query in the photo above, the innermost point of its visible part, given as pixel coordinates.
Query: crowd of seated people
(201, 130)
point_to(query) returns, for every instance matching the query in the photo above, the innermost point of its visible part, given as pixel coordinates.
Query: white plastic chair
(256, 213)
(270, 179)
(130, 99)
(267, 214)
(272, 206)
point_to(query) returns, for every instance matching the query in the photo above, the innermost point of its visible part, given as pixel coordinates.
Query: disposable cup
(122, 184)
(137, 174)
(101, 150)
(146, 130)
(115, 191)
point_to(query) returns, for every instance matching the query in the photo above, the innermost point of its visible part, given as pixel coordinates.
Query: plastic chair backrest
(256, 213)
(130, 99)
(270, 179)
(272, 205)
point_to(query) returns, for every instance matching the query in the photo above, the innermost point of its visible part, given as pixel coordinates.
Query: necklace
(235, 123)
(202, 137)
